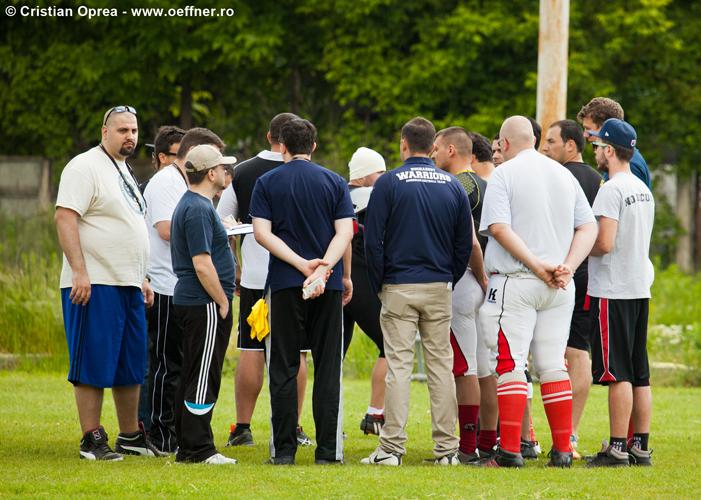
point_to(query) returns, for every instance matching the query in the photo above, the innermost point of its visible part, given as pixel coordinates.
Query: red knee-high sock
(631, 430)
(511, 396)
(467, 416)
(557, 399)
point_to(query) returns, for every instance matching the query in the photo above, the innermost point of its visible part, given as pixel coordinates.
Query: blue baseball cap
(618, 133)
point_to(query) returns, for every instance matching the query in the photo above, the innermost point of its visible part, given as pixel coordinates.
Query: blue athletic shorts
(107, 339)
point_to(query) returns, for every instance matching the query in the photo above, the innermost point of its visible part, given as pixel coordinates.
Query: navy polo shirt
(196, 229)
(302, 200)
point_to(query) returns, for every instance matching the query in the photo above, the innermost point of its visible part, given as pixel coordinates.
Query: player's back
(538, 197)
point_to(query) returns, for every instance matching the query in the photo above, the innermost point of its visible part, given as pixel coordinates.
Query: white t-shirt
(626, 271)
(254, 268)
(111, 227)
(541, 201)
(162, 194)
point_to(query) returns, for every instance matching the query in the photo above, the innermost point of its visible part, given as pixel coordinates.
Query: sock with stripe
(619, 443)
(640, 440)
(556, 391)
(467, 416)
(512, 391)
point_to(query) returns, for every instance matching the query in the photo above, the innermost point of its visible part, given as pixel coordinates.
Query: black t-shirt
(588, 178)
(591, 181)
(475, 187)
(245, 176)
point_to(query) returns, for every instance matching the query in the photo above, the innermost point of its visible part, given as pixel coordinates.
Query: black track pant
(318, 322)
(165, 362)
(364, 309)
(205, 338)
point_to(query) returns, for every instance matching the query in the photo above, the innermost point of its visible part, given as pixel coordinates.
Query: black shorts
(247, 300)
(580, 327)
(363, 309)
(618, 341)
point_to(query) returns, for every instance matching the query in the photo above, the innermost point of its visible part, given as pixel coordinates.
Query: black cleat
(502, 458)
(284, 460)
(529, 450)
(468, 458)
(640, 457)
(560, 459)
(609, 457)
(240, 437)
(371, 424)
(137, 443)
(94, 446)
(323, 461)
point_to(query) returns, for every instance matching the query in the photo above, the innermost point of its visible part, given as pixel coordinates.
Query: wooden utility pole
(553, 39)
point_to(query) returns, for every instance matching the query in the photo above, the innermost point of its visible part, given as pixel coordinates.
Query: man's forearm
(278, 248)
(513, 244)
(69, 239)
(340, 244)
(347, 261)
(582, 243)
(207, 274)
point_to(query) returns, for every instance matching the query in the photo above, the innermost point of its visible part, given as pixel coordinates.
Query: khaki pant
(425, 307)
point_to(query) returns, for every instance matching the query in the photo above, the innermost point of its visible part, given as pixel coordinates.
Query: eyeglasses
(119, 109)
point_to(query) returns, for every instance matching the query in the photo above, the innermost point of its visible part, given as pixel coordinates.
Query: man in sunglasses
(620, 276)
(162, 194)
(593, 115)
(101, 229)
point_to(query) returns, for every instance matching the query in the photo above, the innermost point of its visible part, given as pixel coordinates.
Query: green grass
(39, 436)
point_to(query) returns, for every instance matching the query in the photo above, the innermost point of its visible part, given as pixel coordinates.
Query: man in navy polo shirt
(302, 214)
(204, 265)
(418, 238)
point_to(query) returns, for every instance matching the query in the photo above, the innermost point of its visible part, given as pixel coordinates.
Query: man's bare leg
(248, 384)
(88, 399)
(126, 401)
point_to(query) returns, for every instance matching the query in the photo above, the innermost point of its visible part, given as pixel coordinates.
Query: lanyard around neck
(133, 194)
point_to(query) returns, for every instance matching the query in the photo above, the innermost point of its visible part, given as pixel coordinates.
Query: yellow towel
(258, 320)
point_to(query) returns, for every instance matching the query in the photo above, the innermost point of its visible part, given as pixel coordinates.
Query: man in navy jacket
(418, 240)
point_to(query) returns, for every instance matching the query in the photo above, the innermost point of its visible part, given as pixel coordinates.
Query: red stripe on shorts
(604, 329)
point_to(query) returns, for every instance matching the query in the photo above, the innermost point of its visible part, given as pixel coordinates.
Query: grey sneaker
(94, 446)
(639, 456)
(137, 443)
(560, 459)
(302, 438)
(609, 457)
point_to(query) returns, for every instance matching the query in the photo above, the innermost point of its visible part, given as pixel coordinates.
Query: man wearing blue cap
(620, 276)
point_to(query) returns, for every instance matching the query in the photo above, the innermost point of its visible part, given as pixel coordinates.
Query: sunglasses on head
(119, 109)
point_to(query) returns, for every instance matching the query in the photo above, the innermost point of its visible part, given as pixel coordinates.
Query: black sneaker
(323, 461)
(560, 459)
(491, 453)
(371, 424)
(640, 457)
(502, 458)
(94, 446)
(285, 460)
(240, 437)
(609, 457)
(137, 443)
(302, 438)
(529, 450)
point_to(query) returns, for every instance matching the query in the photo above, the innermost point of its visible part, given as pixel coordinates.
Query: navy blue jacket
(418, 226)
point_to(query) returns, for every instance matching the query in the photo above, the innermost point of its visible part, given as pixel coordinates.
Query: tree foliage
(357, 68)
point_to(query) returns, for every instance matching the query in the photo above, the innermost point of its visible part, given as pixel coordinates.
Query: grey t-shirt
(626, 272)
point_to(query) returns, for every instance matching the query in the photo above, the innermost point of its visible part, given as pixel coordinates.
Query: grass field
(39, 436)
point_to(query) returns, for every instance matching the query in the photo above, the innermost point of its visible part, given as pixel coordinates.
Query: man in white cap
(204, 265)
(365, 167)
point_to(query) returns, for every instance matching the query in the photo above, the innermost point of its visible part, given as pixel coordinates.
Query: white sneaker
(219, 459)
(381, 457)
(451, 459)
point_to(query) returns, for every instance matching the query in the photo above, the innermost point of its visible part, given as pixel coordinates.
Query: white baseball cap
(365, 161)
(205, 156)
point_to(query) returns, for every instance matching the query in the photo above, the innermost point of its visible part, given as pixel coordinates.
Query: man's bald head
(516, 134)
